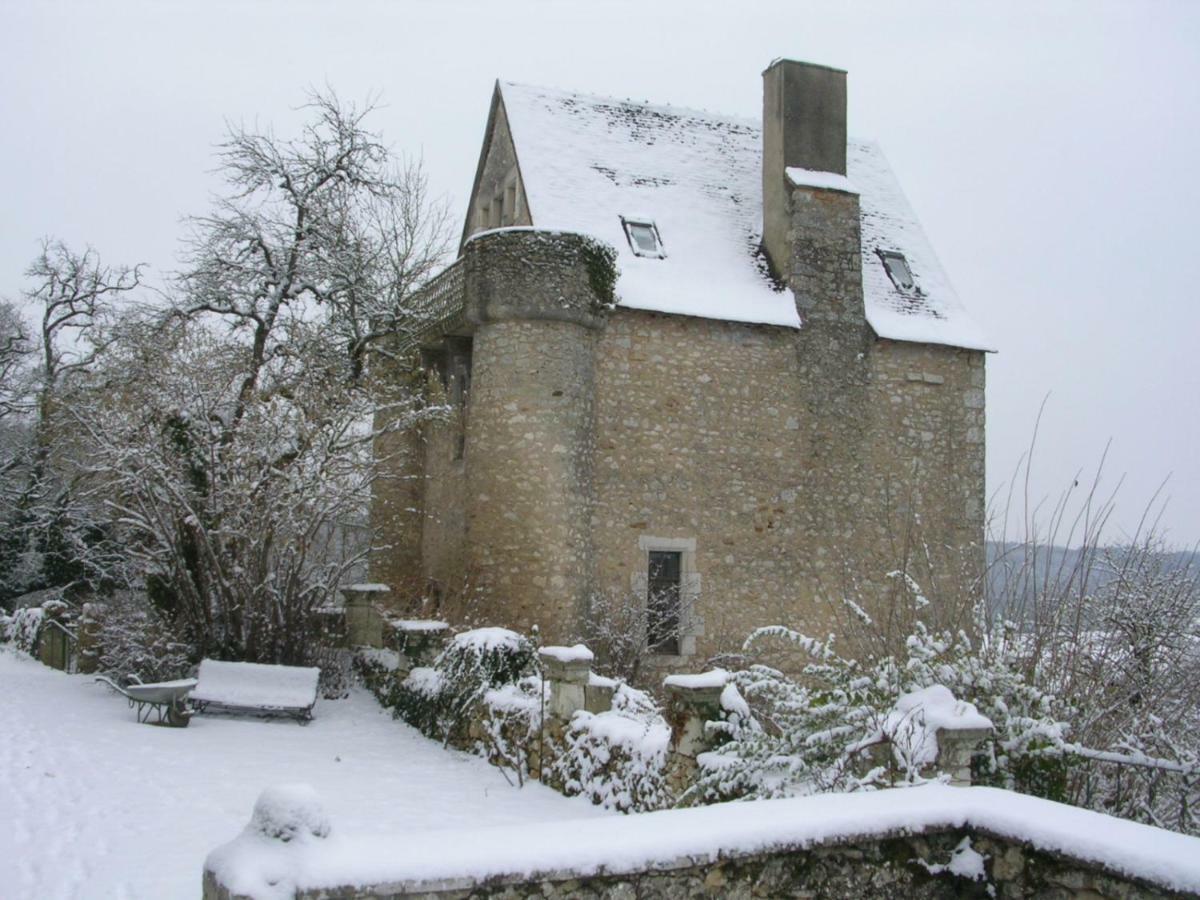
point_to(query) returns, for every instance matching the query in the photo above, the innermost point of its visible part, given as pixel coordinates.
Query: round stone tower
(536, 300)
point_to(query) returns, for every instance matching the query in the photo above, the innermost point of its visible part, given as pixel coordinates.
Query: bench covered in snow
(252, 687)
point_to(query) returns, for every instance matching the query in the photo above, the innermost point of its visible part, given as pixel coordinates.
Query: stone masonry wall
(529, 464)
(698, 438)
(397, 505)
(705, 431)
(787, 466)
(886, 866)
(443, 539)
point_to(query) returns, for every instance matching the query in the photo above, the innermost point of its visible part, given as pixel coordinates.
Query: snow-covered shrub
(22, 628)
(131, 638)
(618, 758)
(799, 734)
(441, 700)
(417, 699)
(511, 725)
(381, 672)
(839, 724)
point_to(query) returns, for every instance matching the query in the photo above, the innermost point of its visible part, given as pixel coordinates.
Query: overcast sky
(1051, 150)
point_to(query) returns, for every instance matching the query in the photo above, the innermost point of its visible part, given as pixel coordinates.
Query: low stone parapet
(931, 841)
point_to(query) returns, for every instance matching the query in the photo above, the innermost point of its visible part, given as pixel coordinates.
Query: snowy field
(94, 805)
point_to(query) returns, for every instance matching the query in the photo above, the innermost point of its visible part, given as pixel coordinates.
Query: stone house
(778, 399)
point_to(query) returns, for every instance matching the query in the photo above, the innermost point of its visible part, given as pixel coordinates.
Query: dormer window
(643, 238)
(897, 269)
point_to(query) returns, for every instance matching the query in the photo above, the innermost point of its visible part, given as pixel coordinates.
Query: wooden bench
(256, 688)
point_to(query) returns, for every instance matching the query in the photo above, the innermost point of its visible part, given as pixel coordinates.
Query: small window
(897, 269)
(643, 237)
(664, 583)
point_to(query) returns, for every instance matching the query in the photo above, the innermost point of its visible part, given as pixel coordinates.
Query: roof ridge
(716, 116)
(727, 118)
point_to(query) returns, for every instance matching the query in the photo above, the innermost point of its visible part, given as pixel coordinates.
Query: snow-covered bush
(618, 627)
(815, 732)
(22, 628)
(441, 700)
(1114, 634)
(510, 727)
(618, 758)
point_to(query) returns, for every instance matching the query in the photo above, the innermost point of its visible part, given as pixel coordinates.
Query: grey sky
(1050, 149)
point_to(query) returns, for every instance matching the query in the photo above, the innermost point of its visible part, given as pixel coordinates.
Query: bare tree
(235, 430)
(72, 293)
(15, 350)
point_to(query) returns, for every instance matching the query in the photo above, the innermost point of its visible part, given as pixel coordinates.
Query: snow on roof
(586, 161)
(935, 315)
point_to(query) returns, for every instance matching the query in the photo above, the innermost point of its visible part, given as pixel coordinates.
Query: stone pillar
(566, 670)
(598, 693)
(956, 747)
(364, 623)
(89, 639)
(693, 701)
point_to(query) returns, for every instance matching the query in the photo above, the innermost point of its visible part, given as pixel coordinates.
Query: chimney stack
(804, 126)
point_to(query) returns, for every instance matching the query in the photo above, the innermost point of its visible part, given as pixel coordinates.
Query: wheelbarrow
(164, 701)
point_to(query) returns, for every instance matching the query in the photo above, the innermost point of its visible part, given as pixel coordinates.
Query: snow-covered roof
(586, 161)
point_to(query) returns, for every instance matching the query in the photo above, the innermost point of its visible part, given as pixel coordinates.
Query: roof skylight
(897, 269)
(643, 237)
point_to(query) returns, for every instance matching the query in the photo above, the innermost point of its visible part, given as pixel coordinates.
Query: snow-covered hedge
(485, 694)
(441, 700)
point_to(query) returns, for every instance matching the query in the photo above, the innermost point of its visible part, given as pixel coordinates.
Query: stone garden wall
(934, 842)
(566, 726)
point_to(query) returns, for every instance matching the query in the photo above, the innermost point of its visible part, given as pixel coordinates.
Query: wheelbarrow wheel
(178, 715)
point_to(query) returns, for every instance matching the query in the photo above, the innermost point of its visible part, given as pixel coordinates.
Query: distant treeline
(1020, 571)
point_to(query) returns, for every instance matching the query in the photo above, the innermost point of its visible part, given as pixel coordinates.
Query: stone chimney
(804, 126)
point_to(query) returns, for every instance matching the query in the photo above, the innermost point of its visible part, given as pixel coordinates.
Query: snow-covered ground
(94, 805)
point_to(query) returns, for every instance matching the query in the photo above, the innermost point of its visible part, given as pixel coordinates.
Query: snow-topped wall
(932, 841)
